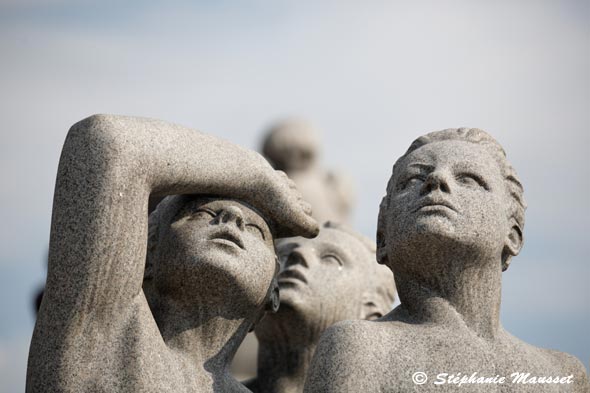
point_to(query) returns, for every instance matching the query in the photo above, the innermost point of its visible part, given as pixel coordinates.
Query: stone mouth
(431, 204)
(229, 235)
(292, 274)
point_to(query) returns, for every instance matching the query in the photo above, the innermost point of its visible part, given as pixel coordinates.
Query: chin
(437, 226)
(219, 262)
(293, 300)
(227, 282)
(424, 232)
(290, 296)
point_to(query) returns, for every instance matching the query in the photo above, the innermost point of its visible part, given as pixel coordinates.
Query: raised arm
(108, 168)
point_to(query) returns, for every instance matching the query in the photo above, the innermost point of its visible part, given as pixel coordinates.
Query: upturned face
(323, 277)
(216, 250)
(447, 193)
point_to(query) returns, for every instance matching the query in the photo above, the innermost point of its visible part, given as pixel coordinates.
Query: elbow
(98, 144)
(99, 129)
(102, 137)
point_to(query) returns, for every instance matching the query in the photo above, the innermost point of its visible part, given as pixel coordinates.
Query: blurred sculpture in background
(331, 278)
(450, 222)
(117, 317)
(293, 147)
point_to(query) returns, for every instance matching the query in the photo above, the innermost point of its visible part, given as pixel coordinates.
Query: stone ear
(512, 244)
(272, 304)
(381, 248)
(274, 299)
(381, 237)
(148, 273)
(148, 282)
(152, 242)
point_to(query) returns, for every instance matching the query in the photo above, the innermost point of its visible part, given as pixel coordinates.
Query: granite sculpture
(331, 278)
(208, 266)
(449, 225)
(293, 146)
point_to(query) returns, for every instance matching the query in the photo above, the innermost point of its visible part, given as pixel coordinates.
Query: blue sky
(371, 75)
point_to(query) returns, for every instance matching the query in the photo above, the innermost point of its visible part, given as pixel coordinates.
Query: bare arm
(108, 168)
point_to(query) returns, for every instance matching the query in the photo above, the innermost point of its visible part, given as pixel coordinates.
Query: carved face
(324, 277)
(216, 250)
(447, 194)
(292, 146)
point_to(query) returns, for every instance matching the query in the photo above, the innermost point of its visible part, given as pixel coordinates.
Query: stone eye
(255, 230)
(471, 180)
(332, 259)
(411, 181)
(204, 213)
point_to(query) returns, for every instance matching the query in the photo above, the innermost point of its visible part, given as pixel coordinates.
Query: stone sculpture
(450, 223)
(331, 278)
(293, 146)
(210, 271)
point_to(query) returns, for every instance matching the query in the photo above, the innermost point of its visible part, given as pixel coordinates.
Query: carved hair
(368, 243)
(514, 189)
(165, 211)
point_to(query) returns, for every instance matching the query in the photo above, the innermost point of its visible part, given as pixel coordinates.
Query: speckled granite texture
(210, 271)
(331, 278)
(449, 225)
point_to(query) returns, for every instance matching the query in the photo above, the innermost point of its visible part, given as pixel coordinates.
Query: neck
(287, 344)
(205, 334)
(454, 287)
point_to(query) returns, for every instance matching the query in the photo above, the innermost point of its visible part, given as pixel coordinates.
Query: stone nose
(231, 214)
(435, 180)
(297, 256)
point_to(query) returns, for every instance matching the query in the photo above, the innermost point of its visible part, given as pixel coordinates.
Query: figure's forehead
(453, 152)
(338, 238)
(329, 239)
(250, 214)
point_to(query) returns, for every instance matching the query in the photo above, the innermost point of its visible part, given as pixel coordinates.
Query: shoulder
(552, 362)
(566, 365)
(348, 335)
(349, 358)
(355, 335)
(339, 181)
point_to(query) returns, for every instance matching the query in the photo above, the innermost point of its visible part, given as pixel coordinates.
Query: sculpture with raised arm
(449, 225)
(211, 267)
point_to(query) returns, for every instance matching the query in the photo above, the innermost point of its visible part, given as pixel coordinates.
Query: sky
(371, 75)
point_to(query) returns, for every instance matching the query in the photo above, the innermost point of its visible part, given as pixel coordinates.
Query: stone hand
(288, 207)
